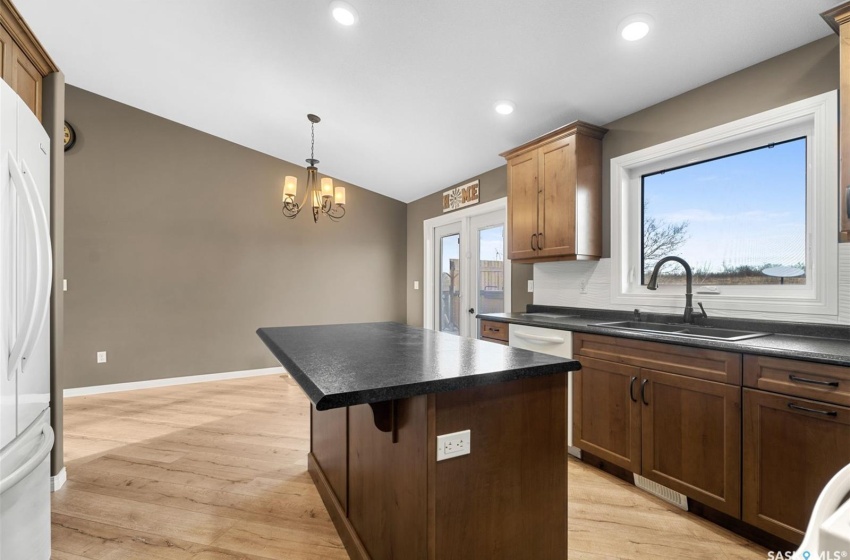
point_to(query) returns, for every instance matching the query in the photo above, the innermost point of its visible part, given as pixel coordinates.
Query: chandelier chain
(312, 139)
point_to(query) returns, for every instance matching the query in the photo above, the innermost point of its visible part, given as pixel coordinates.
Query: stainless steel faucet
(689, 315)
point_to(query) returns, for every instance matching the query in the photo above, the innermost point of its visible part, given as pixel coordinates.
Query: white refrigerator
(26, 271)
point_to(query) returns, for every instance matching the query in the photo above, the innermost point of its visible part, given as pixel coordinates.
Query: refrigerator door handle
(22, 337)
(35, 460)
(42, 301)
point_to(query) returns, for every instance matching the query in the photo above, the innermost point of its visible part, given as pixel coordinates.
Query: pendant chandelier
(324, 198)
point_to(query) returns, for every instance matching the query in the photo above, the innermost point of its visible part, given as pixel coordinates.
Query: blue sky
(744, 209)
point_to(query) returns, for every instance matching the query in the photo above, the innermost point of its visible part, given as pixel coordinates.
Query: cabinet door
(691, 432)
(522, 205)
(792, 447)
(26, 80)
(606, 412)
(557, 233)
(6, 46)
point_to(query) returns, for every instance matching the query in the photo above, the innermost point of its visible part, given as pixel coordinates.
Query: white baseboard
(58, 481)
(132, 386)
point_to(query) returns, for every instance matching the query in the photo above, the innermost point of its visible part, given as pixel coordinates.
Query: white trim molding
(186, 380)
(58, 481)
(815, 118)
(464, 216)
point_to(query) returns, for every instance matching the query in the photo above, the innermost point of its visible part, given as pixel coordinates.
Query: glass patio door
(449, 282)
(469, 265)
(487, 284)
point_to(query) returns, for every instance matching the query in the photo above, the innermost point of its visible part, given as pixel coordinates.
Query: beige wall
(493, 185)
(176, 251)
(54, 123)
(804, 72)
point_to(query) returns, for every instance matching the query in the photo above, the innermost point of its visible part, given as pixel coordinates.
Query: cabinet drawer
(822, 382)
(495, 330)
(713, 365)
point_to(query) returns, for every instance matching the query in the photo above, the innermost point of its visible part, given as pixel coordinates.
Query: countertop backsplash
(560, 284)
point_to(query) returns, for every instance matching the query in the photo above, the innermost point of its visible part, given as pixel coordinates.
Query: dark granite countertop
(343, 365)
(802, 341)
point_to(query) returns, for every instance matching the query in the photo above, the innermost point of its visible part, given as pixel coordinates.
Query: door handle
(538, 338)
(22, 337)
(539, 240)
(643, 391)
(35, 460)
(533, 239)
(470, 310)
(43, 297)
(632, 389)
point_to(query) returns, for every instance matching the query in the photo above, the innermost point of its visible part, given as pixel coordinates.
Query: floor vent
(666, 494)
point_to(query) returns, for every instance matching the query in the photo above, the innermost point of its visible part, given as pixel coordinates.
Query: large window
(738, 219)
(751, 205)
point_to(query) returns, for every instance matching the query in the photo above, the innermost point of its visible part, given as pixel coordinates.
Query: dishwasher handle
(538, 338)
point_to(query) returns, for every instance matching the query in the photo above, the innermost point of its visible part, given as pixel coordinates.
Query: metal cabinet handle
(632, 389)
(539, 240)
(831, 413)
(643, 391)
(793, 377)
(533, 239)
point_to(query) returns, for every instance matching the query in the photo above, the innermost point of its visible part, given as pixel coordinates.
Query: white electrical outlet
(416, 284)
(454, 445)
(101, 357)
(531, 286)
(582, 287)
(64, 284)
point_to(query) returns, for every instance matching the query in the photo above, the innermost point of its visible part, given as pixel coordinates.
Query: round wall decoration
(70, 136)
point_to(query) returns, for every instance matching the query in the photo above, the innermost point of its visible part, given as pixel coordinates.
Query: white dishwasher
(557, 343)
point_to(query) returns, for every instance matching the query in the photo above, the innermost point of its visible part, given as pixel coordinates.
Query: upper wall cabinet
(555, 196)
(839, 19)
(23, 61)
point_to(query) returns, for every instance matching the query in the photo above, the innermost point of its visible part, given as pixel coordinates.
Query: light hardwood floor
(218, 471)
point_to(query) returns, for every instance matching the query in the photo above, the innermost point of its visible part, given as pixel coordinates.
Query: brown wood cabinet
(494, 331)
(390, 497)
(658, 410)
(24, 61)
(839, 19)
(792, 447)
(555, 195)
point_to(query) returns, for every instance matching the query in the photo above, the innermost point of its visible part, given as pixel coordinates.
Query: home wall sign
(460, 197)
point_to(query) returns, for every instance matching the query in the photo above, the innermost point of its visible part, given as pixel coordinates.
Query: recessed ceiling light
(636, 27)
(344, 13)
(504, 107)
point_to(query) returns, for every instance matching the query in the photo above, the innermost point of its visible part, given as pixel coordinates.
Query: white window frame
(464, 216)
(817, 119)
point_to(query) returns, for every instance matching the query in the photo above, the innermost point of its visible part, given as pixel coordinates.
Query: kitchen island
(382, 393)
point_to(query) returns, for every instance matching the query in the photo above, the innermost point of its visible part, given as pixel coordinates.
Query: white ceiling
(406, 96)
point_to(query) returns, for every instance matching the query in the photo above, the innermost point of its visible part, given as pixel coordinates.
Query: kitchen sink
(684, 330)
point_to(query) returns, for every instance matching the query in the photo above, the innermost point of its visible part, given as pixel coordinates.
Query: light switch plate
(101, 357)
(416, 284)
(531, 286)
(454, 445)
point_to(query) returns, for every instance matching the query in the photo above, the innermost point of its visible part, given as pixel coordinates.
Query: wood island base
(507, 499)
